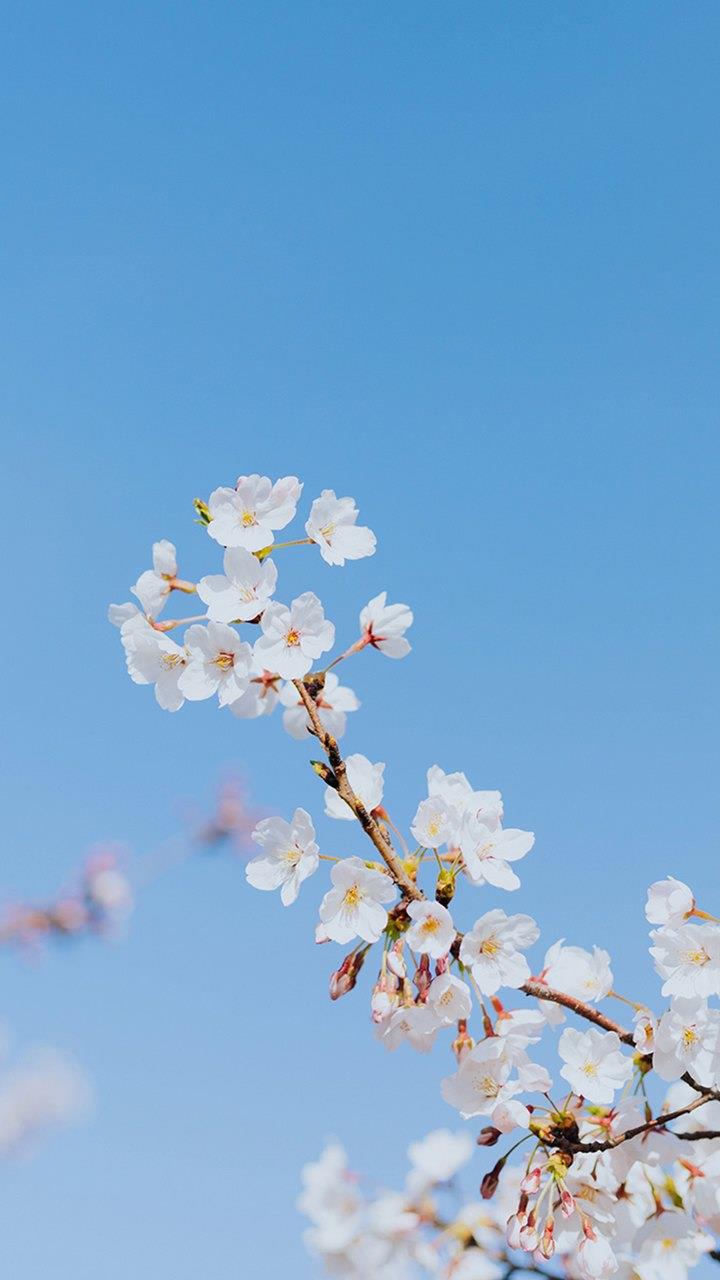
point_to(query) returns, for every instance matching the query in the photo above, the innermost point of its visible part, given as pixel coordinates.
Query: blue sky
(459, 261)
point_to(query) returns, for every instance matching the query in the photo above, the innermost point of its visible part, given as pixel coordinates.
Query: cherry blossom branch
(541, 992)
(659, 1122)
(697, 1135)
(371, 828)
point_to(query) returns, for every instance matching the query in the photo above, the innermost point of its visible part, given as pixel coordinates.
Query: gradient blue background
(459, 261)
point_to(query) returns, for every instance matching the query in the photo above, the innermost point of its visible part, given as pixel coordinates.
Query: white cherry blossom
(354, 906)
(487, 853)
(242, 591)
(482, 1081)
(249, 515)
(153, 658)
(493, 948)
(513, 1114)
(293, 638)
(594, 1065)
(365, 779)
(219, 662)
(261, 696)
(331, 524)
(411, 1024)
(431, 931)
(289, 855)
(668, 1245)
(579, 973)
(595, 1256)
(333, 703)
(154, 585)
(434, 823)
(121, 614)
(686, 1039)
(463, 800)
(328, 1187)
(440, 1155)
(688, 957)
(384, 625)
(669, 902)
(449, 998)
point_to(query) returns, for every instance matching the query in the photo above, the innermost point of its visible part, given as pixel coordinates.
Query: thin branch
(541, 992)
(697, 1135)
(371, 828)
(660, 1122)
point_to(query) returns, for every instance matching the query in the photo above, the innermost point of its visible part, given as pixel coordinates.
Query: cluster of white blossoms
(609, 1176)
(251, 669)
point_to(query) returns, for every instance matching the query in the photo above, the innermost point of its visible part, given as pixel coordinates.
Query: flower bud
(445, 887)
(489, 1184)
(488, 1136)
(567, 1203)
(513, 1228)
(325, 773)
(547, 1242)
(396, 961)
(344, 978)
(531, 1181)
(422, 976)
(528, 1235)
(382, 1003)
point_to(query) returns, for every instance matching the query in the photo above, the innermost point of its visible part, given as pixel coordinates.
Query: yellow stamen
(224, 661)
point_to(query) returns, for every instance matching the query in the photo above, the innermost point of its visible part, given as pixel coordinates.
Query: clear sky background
(459, 261)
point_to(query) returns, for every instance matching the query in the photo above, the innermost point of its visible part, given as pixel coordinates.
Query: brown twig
(542, 992)
(608, 1144)
(371, 828)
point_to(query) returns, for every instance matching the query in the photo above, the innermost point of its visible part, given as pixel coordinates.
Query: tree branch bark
(369, 825)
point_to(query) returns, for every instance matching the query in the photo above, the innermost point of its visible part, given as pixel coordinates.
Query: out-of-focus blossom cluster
(97, 904)
(44, 1089)
(101, 896)
(607, 1175)
(435, 1227)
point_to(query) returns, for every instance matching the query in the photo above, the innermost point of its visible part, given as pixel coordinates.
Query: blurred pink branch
(106, 886)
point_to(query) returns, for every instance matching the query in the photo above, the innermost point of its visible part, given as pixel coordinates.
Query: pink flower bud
(396, 962)
(531, 1181)
(422, 977)
(567, 1203)
(382, 1003)
(489, 1184)
(344, 978)
(529, 1236)
(513, 1229)
(488, 1136)
(547, 1243)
